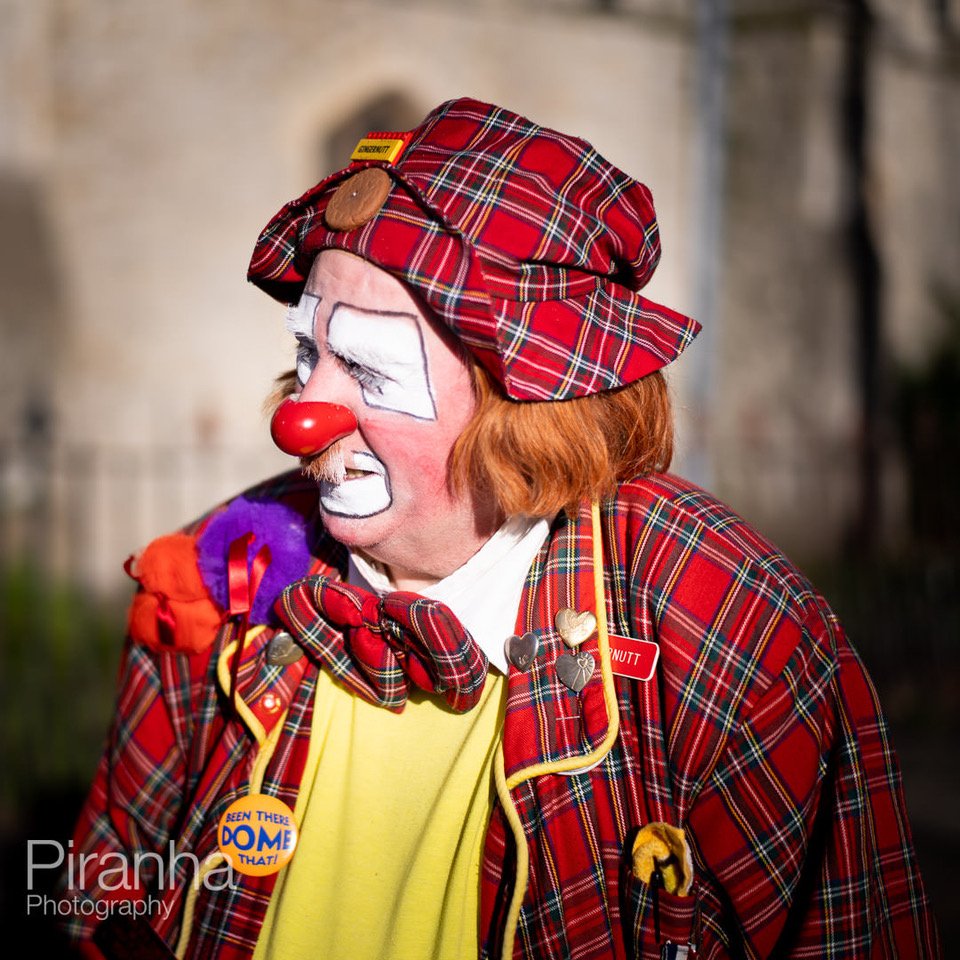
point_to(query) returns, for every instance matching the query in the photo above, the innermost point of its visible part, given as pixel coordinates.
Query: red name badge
(633, 658)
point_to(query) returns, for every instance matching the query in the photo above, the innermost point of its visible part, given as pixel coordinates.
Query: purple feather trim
(272, 523)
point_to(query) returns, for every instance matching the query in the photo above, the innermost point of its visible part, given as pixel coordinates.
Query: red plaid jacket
(760, 736)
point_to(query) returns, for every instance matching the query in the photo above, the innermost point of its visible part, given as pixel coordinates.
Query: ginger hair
(537, 458)
(283, 386)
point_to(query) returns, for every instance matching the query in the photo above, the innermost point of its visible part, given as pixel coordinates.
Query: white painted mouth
(364, 491)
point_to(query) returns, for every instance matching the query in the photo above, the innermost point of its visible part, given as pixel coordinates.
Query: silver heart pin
(522, 651)
(283, 650)
(575, 669)
(575, 627)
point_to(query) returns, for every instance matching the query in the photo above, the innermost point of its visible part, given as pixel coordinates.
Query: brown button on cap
(358, 199)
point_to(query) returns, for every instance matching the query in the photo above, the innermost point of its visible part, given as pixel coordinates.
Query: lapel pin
(283, 650)
(575, 669)
(522, 651)
(575, 627)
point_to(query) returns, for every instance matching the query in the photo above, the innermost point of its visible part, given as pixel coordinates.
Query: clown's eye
(306, 359)
(370, 380)
(383, 353)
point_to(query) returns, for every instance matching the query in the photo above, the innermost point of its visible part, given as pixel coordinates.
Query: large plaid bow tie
(382, 645)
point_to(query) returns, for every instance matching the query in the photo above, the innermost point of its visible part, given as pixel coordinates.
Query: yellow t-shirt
(393, 812)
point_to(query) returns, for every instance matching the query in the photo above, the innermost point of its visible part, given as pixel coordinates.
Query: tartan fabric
(390, 642)
(760, 736)
(526, 242)
(177, 756)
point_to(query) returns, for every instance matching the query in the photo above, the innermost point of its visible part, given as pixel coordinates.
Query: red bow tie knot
(379, 646)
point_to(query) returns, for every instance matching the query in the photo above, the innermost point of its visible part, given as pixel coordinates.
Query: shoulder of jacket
(692, 559)
(731, 615)
(664, 506)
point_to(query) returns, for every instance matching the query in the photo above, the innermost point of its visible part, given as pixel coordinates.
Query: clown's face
(364, 342)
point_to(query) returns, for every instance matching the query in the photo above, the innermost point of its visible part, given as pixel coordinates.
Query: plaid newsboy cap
(524, 241)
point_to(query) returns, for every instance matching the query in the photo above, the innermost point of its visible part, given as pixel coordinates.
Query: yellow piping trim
(223, 676)
(265, 754)
(606, 674)
(504, 786)
(267, 745)
(523, 855)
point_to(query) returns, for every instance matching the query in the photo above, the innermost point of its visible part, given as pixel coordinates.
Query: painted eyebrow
(371, 312)
(296, 322)
(410, 371)
(371, 355)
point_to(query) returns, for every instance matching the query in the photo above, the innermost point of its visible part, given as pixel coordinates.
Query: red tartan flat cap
(526, 242)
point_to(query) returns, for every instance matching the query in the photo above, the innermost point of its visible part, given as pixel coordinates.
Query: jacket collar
(548, 727)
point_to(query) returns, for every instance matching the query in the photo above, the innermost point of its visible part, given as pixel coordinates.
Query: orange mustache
(328, 465)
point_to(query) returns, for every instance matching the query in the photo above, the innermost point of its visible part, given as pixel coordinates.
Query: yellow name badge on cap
(381, 145)
(257, 834)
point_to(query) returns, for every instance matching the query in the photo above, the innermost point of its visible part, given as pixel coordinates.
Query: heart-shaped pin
(575, 627)
(575, 669)
(283, 650)
(522, 651)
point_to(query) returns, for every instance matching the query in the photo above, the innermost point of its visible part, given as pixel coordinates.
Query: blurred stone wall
(143, 146)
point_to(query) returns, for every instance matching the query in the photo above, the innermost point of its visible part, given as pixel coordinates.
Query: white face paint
(360, 494)
(384, 353)
(300, 321)
(395, 500)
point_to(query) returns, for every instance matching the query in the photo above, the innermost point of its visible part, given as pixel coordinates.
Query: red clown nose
(304, 429)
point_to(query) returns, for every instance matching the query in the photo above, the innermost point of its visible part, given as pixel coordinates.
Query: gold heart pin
(575, 627)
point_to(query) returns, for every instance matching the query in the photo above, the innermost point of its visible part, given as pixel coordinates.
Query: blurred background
(804, 159)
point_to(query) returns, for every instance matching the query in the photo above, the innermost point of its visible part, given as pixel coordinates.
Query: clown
(365, 342)
(496, 683)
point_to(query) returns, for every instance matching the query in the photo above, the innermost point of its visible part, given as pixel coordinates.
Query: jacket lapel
(547, 723)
